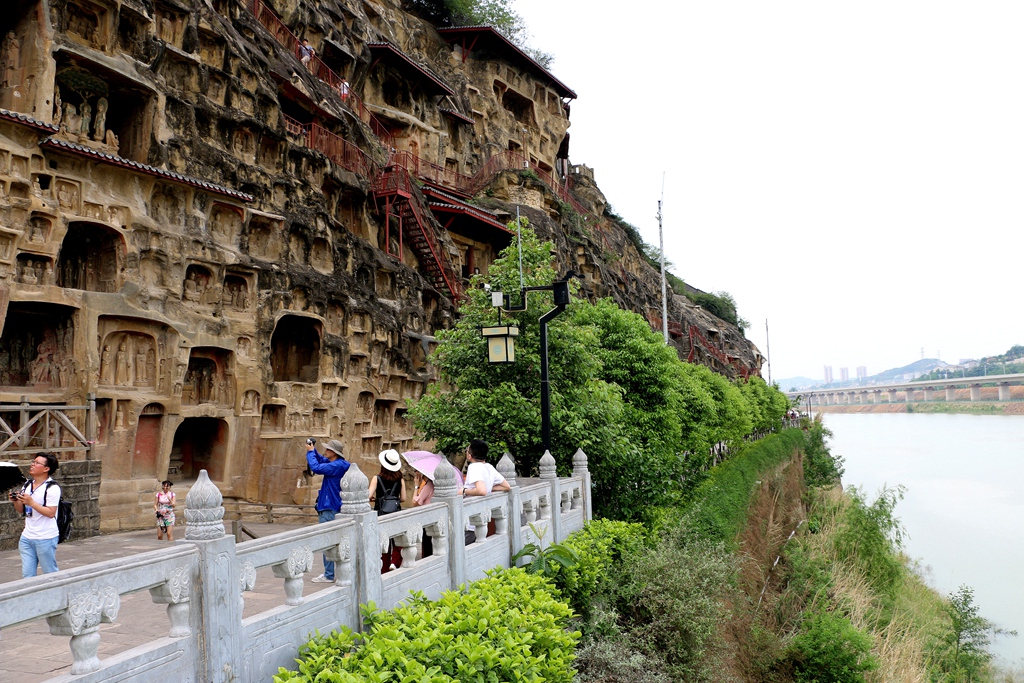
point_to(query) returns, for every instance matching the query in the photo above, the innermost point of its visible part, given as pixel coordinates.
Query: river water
(964, 506)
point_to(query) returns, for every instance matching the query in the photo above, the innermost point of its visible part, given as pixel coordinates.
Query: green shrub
(821, 468)
(672, 600)
(718, 507)
(506, 627)
(600, 546)
(619, 660)
(829, 649)
(870, 536)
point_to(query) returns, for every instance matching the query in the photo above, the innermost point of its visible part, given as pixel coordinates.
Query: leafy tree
(721, 305)
(501, 403)
(821, 468)
(963, 654)
(871, 535)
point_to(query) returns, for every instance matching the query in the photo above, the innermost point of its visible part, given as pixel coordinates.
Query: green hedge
(717, 509)
(507, 627)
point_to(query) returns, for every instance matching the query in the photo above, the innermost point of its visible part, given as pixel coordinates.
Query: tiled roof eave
(105, 157)
(27, 120)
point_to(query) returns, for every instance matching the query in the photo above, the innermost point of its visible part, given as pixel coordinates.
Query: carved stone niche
(321, 256)
(295, 349)
(199, 286)
(235, 294)
(272, 419)
(37, 231)
(133, 354)
(91, 258)
(37, 347)
(7, 240)
(87, 23)
(209, 377)
(251, 402)
(69, 197)
(34, 270)
(265, 239)
(169, 26)
(132, 30)
(226, 222)
(165, 207)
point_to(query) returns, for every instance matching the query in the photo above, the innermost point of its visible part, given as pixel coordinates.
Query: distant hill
(918, 367)
(796, 383)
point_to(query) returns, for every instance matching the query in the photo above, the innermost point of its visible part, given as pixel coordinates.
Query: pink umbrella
(426, 462)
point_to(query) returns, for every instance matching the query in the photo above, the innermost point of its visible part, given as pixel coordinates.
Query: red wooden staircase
(404, 210)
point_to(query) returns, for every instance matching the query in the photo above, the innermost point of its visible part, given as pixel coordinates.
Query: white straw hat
(390, 460)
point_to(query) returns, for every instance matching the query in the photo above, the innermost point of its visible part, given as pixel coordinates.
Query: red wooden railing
(270, 21)
(717, 353)
(336, 148)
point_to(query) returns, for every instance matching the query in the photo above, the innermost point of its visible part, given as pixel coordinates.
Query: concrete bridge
(912, 391)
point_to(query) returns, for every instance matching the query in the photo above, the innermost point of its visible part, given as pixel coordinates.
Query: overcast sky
(851, 172)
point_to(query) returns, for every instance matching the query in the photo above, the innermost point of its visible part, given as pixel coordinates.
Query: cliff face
(235, 244)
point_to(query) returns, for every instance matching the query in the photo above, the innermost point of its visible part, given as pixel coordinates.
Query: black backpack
(65, 515)
(388, 501)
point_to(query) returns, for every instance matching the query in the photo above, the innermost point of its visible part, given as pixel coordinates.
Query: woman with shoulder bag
(387, 493)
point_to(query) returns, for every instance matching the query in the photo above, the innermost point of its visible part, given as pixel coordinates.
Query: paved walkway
(31, 654)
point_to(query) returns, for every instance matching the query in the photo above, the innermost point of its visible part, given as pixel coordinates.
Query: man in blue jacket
(328, 502)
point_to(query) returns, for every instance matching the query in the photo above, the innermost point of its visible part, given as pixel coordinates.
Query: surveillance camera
(487, 287)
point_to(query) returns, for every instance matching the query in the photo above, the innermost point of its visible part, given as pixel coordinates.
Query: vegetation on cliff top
(617, 391)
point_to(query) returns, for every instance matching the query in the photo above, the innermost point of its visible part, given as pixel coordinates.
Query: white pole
(661, 249)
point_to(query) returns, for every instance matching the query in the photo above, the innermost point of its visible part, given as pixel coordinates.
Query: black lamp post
(560, 290)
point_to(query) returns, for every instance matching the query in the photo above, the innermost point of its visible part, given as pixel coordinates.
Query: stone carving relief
(34, 271)
(251, 402)
(68, 195)
(235, 293)
(10, 61)
(225, 222)
(40, 357)
(128, 359)
(208, 378)
(199, 286)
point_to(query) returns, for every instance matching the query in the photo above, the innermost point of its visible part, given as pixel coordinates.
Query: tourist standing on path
(37, 501)
(164, 506)
(387, 493)
(328, 502)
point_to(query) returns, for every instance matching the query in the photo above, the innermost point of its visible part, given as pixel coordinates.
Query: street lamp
(560, 292)
(500, 343)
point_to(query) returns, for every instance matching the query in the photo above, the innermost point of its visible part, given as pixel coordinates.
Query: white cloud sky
(851, 172)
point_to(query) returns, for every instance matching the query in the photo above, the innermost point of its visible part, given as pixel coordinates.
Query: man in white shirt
(481, 477)
(38, 500)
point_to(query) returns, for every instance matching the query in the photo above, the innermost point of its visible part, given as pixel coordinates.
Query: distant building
(828, 374)
(862, 373)
(844, 374)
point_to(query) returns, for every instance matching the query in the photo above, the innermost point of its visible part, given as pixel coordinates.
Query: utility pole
(661, 249)
(768, 350)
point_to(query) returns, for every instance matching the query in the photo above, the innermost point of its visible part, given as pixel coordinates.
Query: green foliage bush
(672, 599)
(600, 546)
(617, 391)
(870, 536)
(717, 508)
(507, 627)
(829, 649)
(821, 468)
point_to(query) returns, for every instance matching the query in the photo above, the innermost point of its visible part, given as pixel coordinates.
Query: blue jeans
(327, 516)
(35, 553)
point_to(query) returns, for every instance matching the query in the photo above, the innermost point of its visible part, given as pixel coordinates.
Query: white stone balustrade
(203, 578)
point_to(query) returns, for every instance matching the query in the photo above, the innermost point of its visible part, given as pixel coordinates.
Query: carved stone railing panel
(175, 594)
(76, 601)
